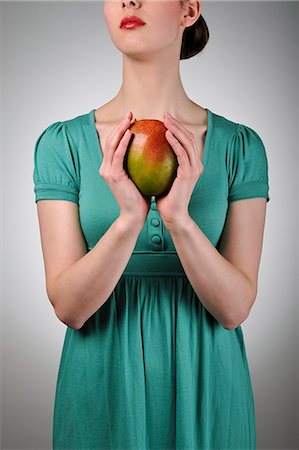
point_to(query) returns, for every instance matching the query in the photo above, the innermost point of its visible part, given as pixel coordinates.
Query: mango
(150, 161)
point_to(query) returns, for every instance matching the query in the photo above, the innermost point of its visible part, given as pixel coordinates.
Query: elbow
(233, 325)
(62, 315)
(236, 322)
(229, 326)
(71, 323)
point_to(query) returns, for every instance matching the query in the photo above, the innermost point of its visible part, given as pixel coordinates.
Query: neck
(150, 88)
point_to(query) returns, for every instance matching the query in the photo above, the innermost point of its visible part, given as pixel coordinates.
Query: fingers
(180, 152)
(179, 135)
(118, 155)
(116, 136)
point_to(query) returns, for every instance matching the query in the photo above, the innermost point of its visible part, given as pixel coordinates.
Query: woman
(153, 290)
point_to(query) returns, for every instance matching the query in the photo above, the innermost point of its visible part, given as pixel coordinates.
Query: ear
(191, 12)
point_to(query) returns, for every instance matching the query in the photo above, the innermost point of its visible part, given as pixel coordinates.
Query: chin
(134, 51)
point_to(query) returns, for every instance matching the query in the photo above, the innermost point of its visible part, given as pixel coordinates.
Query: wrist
(178, 225)
(134, 222)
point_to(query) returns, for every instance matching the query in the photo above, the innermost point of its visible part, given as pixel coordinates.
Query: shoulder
(64, 130)
(232, 132)
(78, 121)
(223, 126)
(74, 126)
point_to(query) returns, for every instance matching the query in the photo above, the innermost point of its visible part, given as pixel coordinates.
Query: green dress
(152, 368)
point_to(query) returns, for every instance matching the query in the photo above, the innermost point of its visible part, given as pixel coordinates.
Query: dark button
(155, 222)
(156, 239)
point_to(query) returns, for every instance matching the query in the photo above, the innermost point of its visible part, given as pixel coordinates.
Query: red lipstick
(131, 22)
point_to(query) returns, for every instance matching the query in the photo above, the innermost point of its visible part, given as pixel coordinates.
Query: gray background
(59, 62)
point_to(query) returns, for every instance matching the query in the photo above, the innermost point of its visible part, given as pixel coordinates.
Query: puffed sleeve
(247, 166)
(55, 176)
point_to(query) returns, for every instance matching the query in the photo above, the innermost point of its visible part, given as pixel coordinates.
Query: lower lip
(132, 25)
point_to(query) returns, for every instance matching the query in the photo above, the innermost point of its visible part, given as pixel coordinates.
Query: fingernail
(128, 114)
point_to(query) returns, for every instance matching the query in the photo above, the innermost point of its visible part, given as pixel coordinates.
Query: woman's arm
(226, 282)
(84, 287)
(80, 282)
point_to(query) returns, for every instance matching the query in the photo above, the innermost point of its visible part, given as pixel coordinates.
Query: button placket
(156, 241)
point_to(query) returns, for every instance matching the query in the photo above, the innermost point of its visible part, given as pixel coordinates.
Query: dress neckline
(206, 149)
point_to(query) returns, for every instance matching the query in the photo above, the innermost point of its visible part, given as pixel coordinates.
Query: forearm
(223, 289)
(83, 288)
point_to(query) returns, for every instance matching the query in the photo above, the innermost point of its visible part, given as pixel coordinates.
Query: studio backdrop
(59, 62)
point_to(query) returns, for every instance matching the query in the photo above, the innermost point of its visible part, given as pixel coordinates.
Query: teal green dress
(152, 369)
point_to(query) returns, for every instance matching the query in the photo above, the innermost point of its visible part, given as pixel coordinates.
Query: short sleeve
(247, 166)
(55, 176)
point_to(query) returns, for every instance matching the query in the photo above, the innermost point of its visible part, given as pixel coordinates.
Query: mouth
(131, 22)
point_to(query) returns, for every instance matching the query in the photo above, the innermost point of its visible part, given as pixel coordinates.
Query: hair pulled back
(194, 38)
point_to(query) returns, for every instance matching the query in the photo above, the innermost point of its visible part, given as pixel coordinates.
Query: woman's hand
(173, 207)
(131, 202)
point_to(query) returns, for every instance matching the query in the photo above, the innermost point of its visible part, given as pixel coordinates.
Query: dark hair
(194, 38)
